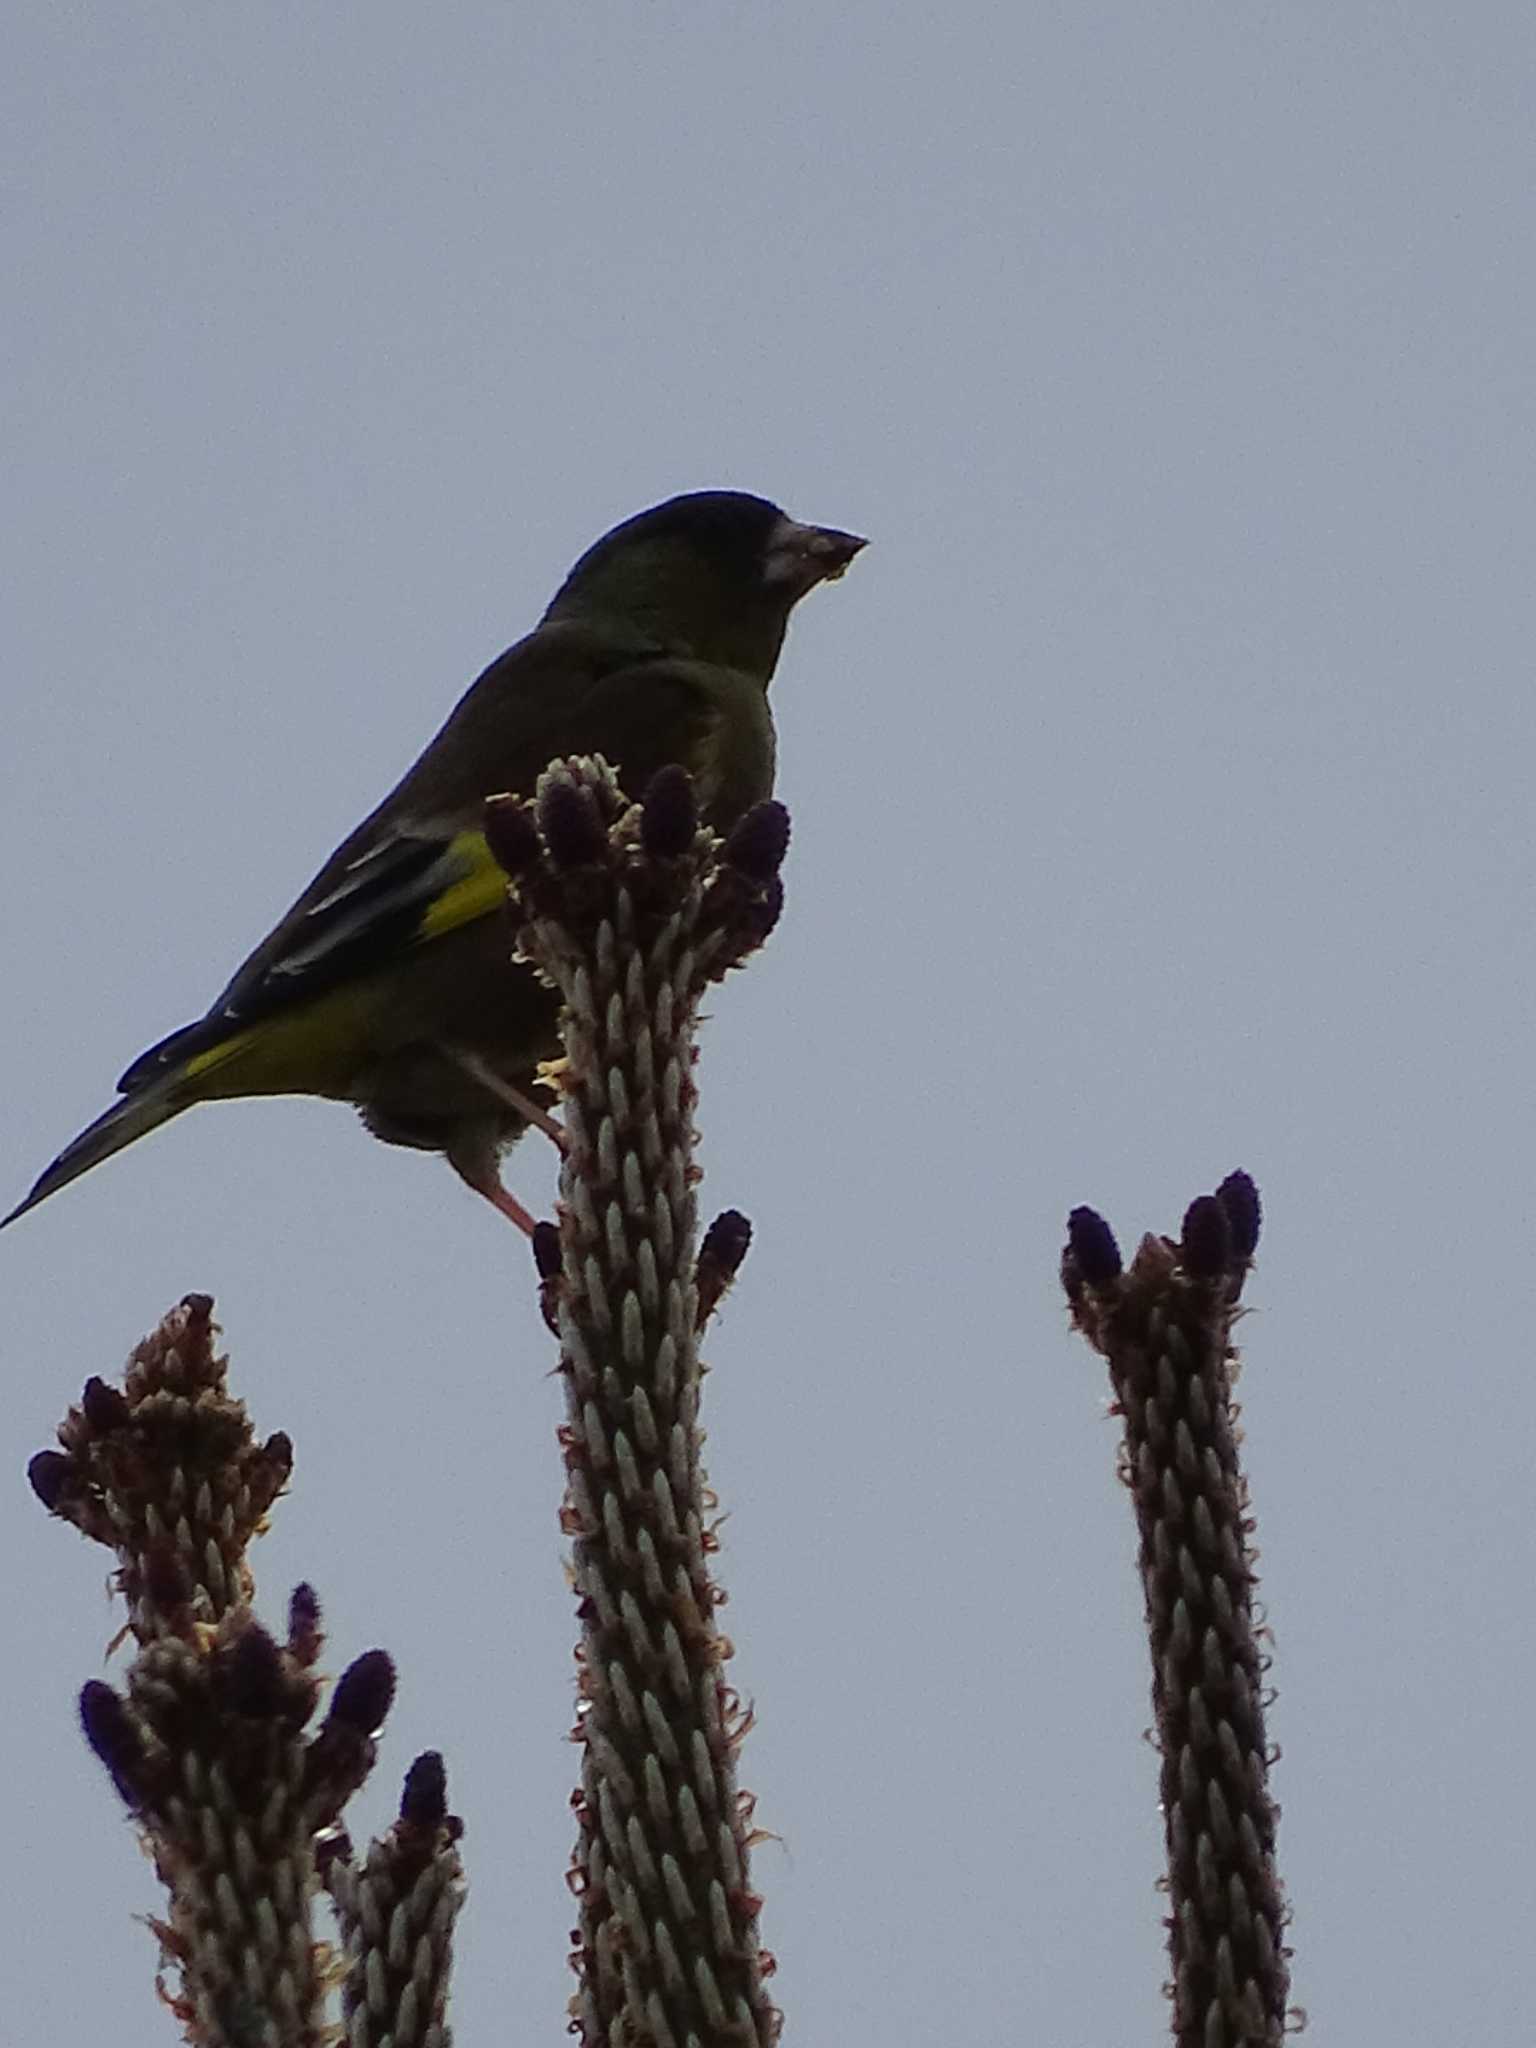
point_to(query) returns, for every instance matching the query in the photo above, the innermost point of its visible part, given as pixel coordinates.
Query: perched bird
(390, 983)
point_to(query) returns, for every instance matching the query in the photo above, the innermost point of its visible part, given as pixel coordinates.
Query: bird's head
(713, 574)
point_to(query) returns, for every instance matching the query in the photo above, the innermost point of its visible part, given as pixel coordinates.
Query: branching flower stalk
(1165, 1327)
(207, 1745)
(631, 911)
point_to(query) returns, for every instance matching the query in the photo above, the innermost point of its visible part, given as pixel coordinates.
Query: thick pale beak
(802, 556)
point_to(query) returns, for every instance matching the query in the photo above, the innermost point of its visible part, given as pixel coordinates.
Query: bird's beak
(799, 557)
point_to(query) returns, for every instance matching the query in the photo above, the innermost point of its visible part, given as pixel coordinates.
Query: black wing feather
(371, 914)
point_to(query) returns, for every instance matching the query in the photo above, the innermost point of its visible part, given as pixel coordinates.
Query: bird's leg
(514, 1098)
(481, 1174)
(502, 1198)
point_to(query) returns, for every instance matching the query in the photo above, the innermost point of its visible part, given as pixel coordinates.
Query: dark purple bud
(251, 1677)
(424, 1801)
(269, 1472)
(1240, 1198)
(546, 1250)
(511, 834)
(572, 828)
(726, 1242)
(342, 1752)
(720, 1256)
(1206, 1239)
(49, 1474)
(770, 910)
(199, 1307)
(1091, 1244)
(364, 1692)
(304, 1623)
(114, 1736)
(759, 841)
(669, 816)
(105, 1408)
(753, 921)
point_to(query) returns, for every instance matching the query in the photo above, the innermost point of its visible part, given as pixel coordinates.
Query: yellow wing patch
(312, 1049)
(313, 1046)
(477, 893)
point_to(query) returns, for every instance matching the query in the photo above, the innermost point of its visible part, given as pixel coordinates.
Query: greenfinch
(390, 983)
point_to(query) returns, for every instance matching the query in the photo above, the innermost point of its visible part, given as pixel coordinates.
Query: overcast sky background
(1161, 783)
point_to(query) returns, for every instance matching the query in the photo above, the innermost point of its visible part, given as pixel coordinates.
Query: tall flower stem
(632, 910)
(1165, 1327)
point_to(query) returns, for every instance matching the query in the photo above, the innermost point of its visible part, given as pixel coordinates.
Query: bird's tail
(113, 1129)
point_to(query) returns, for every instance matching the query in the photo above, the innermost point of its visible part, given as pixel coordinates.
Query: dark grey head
(714, 574)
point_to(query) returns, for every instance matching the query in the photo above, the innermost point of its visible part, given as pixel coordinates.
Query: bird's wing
(402, 890)
(419, 867)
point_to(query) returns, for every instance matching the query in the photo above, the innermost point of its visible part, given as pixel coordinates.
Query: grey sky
(1161, 793)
